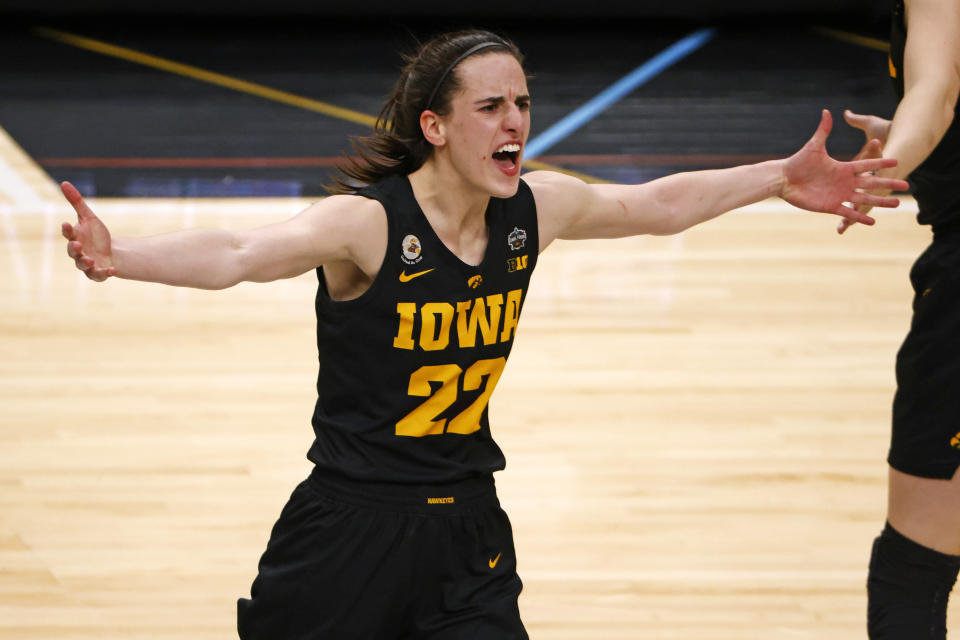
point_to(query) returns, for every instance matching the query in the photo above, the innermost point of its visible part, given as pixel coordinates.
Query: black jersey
(407, 368)
(936, 182)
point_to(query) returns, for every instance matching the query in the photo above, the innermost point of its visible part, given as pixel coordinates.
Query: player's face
(488, 125)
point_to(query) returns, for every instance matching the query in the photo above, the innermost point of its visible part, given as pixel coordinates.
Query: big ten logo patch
(517, 264)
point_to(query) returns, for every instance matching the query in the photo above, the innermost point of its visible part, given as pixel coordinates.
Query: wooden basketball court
(695, 426)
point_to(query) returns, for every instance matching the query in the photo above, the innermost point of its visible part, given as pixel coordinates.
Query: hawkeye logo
(404, 277)
(474, 281)
(955, 441)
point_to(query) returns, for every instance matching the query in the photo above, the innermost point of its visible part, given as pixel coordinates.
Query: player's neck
(450, 203)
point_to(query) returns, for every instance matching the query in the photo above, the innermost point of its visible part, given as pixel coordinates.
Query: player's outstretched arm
(809, 179)
(338, 228)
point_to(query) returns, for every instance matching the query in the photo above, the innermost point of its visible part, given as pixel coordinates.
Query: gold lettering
(404, 338)
(420, 422)
(467, 331)
(517, 264)
(430, 338)
(512, 315)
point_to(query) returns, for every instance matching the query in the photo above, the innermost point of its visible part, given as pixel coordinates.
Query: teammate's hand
(88, 242)
(871, 149)
(814, 181)
(876, 130)
(873, 127)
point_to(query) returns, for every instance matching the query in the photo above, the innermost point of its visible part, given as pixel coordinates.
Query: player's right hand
(88, 242)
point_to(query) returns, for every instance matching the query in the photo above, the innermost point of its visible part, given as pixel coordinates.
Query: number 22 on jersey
(421, 421)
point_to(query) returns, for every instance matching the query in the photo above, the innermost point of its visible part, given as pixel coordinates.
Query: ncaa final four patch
(517, 239)
(411, 249)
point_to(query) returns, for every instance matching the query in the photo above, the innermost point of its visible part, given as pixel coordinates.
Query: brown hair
(428, 81)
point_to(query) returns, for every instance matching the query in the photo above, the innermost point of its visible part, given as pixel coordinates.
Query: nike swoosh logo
(494, 561)
(407, 278)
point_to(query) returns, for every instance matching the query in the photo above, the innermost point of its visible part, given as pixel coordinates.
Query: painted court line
(203, 75)
(854, 38)
(618, 90)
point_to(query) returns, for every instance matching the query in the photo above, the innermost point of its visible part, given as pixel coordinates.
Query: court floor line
(639, 76)
(854, 38)
(203, 75)
(22, 183)
(236, 84)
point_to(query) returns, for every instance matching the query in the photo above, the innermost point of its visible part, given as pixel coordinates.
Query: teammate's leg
(915, 560)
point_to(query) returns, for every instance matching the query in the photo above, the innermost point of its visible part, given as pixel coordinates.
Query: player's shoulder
(346, 210)
(546, 179)
(342, 202)
(553, 190)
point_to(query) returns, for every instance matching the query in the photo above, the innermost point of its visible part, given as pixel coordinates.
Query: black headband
(466, 54)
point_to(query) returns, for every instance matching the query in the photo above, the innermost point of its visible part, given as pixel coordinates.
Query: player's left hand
(814, 181)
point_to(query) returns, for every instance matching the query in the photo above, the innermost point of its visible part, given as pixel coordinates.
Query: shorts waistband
(423, 498)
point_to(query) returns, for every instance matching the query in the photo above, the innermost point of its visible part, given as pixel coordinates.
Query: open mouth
(506, 158)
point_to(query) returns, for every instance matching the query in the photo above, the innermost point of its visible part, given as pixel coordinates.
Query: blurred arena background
(695, 426)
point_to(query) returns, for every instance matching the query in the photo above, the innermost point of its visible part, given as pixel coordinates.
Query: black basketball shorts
(350, 561)
(925, 439)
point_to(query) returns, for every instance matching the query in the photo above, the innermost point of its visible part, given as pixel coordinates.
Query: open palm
(815, 181)
(88, 242)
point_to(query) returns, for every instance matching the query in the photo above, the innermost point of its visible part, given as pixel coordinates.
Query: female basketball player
(916, 558)
(423, 270)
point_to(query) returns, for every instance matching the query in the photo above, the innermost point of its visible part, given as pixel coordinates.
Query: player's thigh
(330, 570)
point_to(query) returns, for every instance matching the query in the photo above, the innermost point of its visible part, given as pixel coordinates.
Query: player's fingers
(74, 249)
(67, 230)
(872, 164)
(869, 150)
(874, 200)
(76, 201)
(98, 275)
(823, 129)
(855, 119)
(871, 182)
(853, 215)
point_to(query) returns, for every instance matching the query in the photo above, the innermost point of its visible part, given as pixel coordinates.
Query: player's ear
(433, 128)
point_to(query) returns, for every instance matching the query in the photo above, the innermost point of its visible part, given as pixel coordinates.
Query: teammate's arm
(931, 71)
(931, 74)
(810, 179)
(336, 229)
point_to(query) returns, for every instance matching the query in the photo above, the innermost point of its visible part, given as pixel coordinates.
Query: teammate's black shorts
(350, 561)
(926, 409)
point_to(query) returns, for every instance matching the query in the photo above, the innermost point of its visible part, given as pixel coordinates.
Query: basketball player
(423, 271)
(916, 557)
